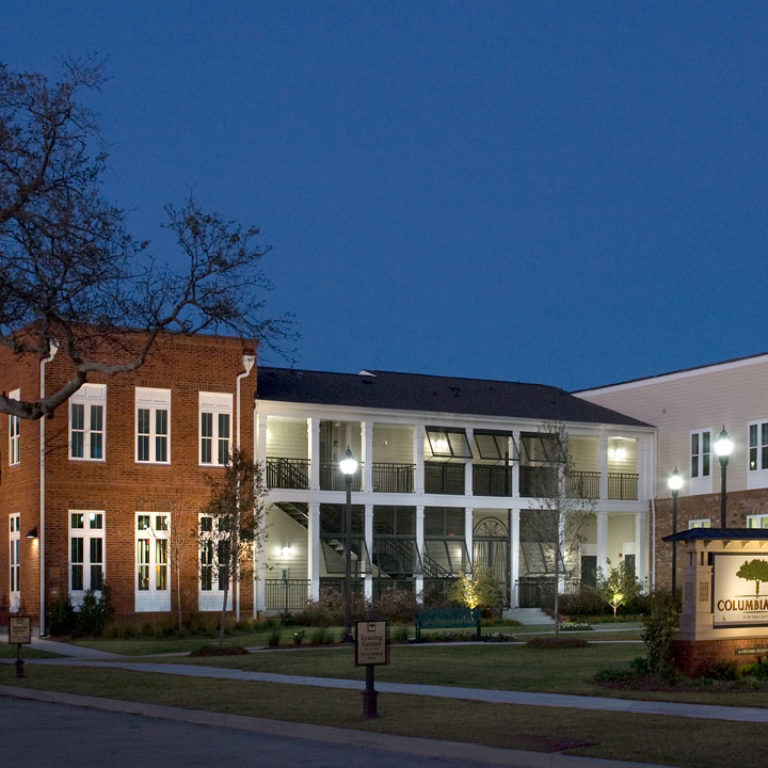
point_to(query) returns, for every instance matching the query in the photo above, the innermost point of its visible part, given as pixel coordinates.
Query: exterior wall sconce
(32, 533)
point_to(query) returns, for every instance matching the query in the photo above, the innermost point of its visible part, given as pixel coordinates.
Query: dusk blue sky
(571, 193)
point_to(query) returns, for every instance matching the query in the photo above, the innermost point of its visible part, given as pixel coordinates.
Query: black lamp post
(675, 483)
(348, 466)
(723, 448)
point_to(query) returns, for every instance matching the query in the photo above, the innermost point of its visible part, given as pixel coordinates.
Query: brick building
(121, 477)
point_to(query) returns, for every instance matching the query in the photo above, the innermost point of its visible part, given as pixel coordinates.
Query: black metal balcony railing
(491, 480)
(583, 485)
(392, 478)
(333, 479)
(622, 485)
(287, 473)
(286, 594)
(538, 481)
(444, 478)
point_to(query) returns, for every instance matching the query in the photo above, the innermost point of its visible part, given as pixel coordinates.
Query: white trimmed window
(86, 553)
(14, 432)
(757, 521)
(215, 428)
(153, 425)
(757, 474)
(700, 461)
(213, 553)
(87, 408)
(14, 539)
(153, 592)
(702, 522)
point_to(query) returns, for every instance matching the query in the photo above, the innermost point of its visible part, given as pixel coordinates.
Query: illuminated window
(153, 561)
(700, 523)
(701, 453)
(757, 521)
(14, 564)
(214, 558)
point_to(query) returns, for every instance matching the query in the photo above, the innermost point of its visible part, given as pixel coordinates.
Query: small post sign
(371, 648)
(371, 643)
(19, 633)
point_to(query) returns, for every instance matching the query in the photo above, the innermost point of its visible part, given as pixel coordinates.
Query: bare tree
(73, 278)
(556, 526)
(236, 512)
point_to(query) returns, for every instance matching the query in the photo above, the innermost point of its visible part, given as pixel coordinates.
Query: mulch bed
(217, 650)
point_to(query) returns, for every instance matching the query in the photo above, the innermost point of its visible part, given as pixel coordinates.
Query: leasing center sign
(741, 590)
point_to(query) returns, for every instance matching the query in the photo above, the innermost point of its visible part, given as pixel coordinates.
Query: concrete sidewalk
(524, 698)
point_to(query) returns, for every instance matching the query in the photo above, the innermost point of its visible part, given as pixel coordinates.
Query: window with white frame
(215, 427)
(214, 556)
(757, 474)
(702, 522)
(757, 521)
(14, 566)
(87, 408)
(153, 573)
(86, 553)
(14, 432)
(153, 425)
(701, 453)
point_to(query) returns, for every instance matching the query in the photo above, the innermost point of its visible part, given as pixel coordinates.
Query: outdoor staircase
(528, 616)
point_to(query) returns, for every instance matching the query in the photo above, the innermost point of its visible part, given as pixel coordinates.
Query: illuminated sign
(741, 590)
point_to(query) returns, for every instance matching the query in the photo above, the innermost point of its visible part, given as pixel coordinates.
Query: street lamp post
(348, 466)
(675, 483)
(723, 448)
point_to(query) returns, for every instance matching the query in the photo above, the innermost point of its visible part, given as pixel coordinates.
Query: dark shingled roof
(439, 394)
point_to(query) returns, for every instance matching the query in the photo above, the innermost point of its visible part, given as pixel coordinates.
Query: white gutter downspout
(248, 362)
(53, 348)
(653, 545)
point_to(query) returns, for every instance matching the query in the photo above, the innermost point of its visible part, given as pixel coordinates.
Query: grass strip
(644, 738)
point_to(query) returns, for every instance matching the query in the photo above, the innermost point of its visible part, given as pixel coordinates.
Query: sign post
(371, 648)
(19, 632)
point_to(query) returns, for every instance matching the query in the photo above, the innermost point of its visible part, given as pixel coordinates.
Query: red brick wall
(694, 658)
(119, 486)
(739, 505)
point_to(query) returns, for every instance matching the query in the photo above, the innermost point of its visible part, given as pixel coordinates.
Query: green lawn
(642, 738)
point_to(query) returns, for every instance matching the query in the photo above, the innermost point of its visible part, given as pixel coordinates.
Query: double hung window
(215, 428)
(14, 565)
(86, 553)
(86, 422)
(214, 564)
(153, 425)
(14, 432)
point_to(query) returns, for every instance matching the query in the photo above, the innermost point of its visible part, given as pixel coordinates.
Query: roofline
(683, 373)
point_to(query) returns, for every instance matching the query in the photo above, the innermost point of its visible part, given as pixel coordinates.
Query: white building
(448, 475)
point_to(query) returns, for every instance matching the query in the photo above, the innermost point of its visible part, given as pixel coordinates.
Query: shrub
(61, 617)
(298, 637)
(396, 605)
(274, 637)
(586, 602)
(321, 636)
(659, 628)
(557, 642)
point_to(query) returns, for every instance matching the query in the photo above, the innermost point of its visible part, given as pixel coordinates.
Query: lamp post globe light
(723, 448)
(348, 466)
(675, 483)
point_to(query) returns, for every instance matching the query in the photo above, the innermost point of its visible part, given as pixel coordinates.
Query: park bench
(458, 617)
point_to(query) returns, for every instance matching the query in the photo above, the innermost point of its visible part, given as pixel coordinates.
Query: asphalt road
(36, 734)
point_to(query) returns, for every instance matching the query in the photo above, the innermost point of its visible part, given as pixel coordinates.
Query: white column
(468, 468)
(261, 442)
(602, 464)
(368, 585)
(602, 542)
(514, 558)
(514, 460)
(468, 533)
(641, 546)
(313, 550)
(366, 430)
(260, 568)
(420, 547)
(313, 450)
(418, 458)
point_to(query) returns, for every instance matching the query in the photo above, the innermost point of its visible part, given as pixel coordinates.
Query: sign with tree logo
(740, 590)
